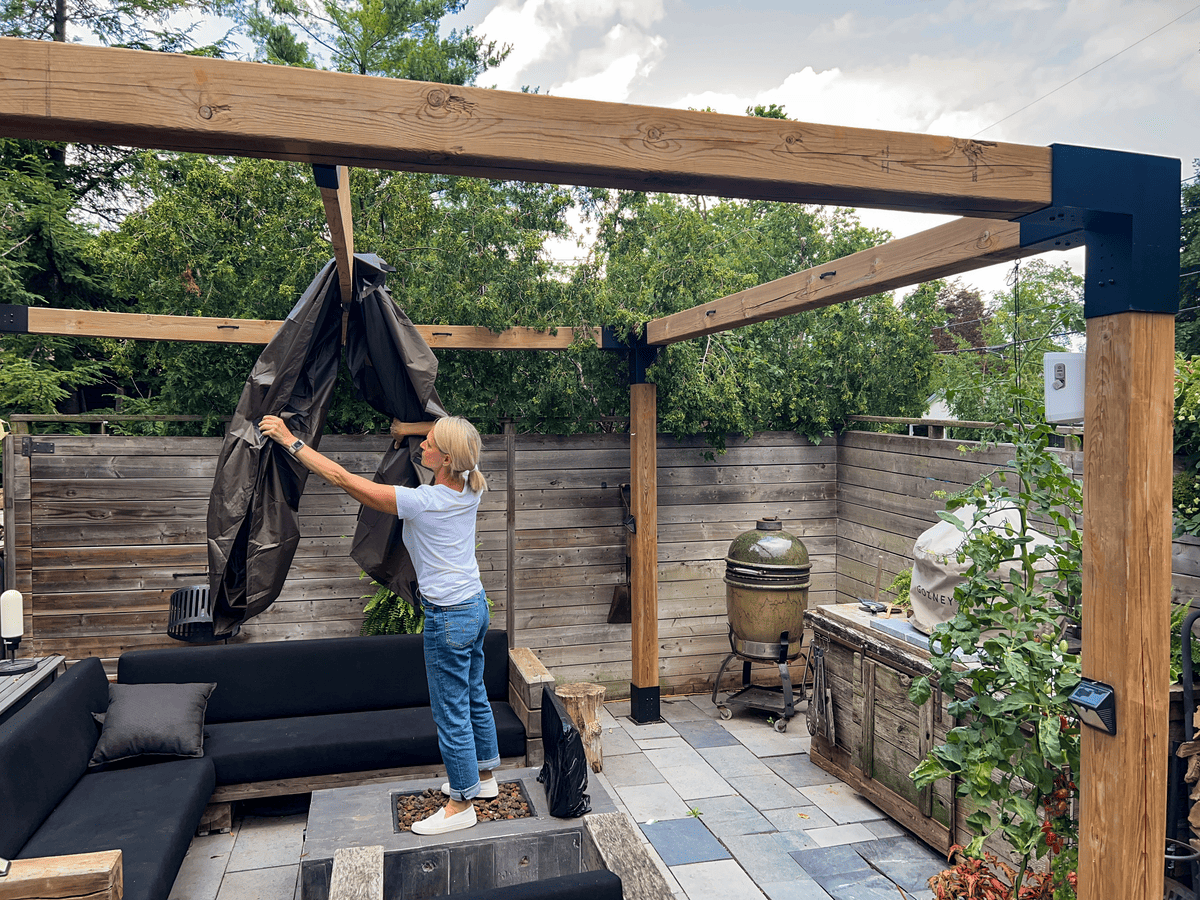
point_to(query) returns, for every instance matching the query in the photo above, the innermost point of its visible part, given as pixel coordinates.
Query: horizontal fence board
(107, 527)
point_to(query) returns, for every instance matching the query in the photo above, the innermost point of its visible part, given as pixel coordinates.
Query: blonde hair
(460, 442)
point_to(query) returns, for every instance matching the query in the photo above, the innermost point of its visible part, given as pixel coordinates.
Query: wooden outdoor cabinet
(879, 735)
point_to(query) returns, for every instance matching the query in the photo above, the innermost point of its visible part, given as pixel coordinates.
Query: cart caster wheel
(725, 713)
(781, 725)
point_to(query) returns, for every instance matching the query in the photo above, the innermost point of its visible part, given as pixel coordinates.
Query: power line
(1092, 69)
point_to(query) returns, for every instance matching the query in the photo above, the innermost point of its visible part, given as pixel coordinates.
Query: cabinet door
(896, 736)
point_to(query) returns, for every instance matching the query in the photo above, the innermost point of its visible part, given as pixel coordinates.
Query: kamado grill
(766, 593)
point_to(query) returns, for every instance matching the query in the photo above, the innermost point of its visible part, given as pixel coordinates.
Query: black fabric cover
(379, 332)
(307, 746)
(286, 679)
(565, 770)
(599, 885)
(153, 720)
(253, 519)
(44, 750)
(148, 812)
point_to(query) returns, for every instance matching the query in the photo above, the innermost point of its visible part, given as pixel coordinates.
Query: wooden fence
(102, 529)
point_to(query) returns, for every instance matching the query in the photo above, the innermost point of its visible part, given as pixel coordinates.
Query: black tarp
(253, 519)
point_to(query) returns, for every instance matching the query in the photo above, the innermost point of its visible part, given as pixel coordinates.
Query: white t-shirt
(439, 533)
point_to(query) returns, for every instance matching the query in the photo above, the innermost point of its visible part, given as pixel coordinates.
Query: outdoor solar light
(12, 626)
(1096, 703)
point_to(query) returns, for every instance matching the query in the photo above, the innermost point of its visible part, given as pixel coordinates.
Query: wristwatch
(294, 447)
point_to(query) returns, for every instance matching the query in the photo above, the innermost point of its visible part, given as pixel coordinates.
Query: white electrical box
(1063, 373)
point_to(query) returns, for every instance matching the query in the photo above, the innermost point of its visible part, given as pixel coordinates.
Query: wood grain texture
(1128, 407)
(69, 92)
(341, 231)
(643, 544)
(201, 329)
(81, 876)
(357, 874)
(937, 253)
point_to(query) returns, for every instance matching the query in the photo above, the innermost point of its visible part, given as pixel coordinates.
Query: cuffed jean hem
(469, 794)
(473, 791)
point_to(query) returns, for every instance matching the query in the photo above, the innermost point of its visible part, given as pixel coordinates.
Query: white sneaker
(440, 823)
(489, 789)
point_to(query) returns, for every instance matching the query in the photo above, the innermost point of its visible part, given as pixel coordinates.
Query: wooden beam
(945, 250)
(1126, 601)
(70, 92)
(643, 545)
(81, 876)
(136, 326)
(341, 230)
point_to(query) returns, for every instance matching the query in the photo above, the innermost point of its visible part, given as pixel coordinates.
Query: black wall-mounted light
(1096, 703)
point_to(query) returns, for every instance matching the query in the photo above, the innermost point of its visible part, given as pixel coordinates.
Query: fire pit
(512, 803)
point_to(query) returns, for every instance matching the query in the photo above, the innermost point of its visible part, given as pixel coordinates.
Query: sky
(1116, 74)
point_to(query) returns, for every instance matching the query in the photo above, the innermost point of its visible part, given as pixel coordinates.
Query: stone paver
(721, 880)
(728, 810)
(841, 803)
(693, 782)
(263, 843)
(278, 883)
(683, 841)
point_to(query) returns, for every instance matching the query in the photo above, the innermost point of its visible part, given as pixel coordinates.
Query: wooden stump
(583, 705)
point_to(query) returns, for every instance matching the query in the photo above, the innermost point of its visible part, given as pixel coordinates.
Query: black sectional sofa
(285, 713)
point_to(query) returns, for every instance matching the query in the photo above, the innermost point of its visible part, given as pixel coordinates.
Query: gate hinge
(29, 446)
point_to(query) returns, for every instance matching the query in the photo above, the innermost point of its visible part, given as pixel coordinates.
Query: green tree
(1187, 323)
(807, 372)
(1041, 313)
(396, 38)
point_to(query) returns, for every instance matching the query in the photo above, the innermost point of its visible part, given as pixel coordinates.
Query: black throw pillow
(154, 720)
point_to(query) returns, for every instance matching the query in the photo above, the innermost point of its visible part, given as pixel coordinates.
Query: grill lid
(767, 551)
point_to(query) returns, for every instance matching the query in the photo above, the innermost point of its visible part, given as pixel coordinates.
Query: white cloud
(557, 31)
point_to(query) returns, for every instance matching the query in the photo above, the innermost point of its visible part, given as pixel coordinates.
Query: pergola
(1014, 201)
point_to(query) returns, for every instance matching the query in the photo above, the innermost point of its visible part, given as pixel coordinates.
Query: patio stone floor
(730, 810)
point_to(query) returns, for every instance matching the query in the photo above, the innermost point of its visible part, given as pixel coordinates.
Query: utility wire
(1092, 69)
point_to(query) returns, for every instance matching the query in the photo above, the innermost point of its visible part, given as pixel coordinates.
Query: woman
(439, 534)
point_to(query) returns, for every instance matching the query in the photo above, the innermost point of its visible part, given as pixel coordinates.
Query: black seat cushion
(148, 812)
(307, 746)
(285, 679)
(44, 750)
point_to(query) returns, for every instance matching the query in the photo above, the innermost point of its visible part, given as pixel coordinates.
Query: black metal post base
(643, 704)
(17, 666)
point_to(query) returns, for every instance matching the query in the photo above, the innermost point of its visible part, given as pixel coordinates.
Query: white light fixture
(12, 626)
(1063, 374)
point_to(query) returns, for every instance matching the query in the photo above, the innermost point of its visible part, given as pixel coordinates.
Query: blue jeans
(454, 668)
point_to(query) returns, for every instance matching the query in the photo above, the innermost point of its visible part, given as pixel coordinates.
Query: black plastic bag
(565, 769)
(253, 511)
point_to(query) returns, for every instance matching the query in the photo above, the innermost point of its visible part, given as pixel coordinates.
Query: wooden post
(1126, 601)
(583, 702)
(643, 551)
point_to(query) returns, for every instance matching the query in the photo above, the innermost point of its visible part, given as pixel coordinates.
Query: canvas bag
(937, 571)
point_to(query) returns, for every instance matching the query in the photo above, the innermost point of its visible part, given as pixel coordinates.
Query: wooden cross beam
(946, 250)
(70, 92)
(334, 182)
(198, 329)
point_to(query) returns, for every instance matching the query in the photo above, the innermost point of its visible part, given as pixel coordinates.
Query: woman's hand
(273, 427)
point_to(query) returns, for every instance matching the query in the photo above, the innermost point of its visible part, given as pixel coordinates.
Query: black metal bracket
(1125, 208)
(29, 446)
(325, 176)
(14, 319)
(641, 355)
